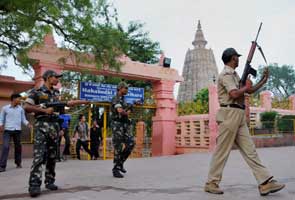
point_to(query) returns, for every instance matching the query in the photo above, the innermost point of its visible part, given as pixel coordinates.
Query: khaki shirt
(230, 118)
(228, 80)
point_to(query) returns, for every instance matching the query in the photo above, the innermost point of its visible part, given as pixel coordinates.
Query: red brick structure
(8, 86)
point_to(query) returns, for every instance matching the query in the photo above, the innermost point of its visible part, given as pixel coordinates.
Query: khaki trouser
(232, 130)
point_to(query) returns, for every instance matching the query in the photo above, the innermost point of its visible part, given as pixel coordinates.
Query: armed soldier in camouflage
(45, 131)
(120, 124)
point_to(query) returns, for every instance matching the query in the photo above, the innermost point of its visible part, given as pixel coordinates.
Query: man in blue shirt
(11, 118)
(66, 119)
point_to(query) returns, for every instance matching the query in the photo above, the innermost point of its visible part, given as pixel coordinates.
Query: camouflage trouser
(121, 135)
(45, 147)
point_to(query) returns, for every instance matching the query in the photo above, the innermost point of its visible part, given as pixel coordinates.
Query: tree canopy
(139, 48)
(202, 96)
(281, 81)
(84, 25)
(200, 105)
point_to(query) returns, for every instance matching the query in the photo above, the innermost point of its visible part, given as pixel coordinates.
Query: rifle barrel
(258, 32)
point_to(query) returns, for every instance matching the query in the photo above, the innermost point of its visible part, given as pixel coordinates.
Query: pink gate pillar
(292, 102)
(265, 99)
(41, 66)
(164, 122)
(213, 108)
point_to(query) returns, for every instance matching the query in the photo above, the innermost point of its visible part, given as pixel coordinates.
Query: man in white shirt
(12, 116)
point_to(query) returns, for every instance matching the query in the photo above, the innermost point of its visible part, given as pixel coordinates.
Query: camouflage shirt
(228, 80)
(118, 102)
(42, 95)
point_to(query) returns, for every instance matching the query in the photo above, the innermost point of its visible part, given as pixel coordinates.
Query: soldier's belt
(233, 105)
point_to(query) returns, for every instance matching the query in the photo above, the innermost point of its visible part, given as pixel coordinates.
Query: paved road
(161, 178)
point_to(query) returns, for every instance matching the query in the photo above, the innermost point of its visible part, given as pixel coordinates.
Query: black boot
(51, 186)
(2, 169)
(117, 174)
(122, 169)
(34, 191)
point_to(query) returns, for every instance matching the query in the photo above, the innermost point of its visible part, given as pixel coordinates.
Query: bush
(268, 119)
(192, 108)
(286, 123)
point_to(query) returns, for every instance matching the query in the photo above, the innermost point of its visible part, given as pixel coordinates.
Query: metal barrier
(144, 113)
(278, 126)
(101, 111)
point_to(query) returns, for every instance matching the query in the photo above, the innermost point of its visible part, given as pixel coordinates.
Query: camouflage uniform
(46, 130)
(121, 129)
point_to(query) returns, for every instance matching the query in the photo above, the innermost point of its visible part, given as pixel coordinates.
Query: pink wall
(213, 108)
(265, 100)
(292, 102)
(8, 86)
(192, 133)
(193, 130)
(164, 122)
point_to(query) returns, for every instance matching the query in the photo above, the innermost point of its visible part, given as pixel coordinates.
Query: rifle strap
(260, 49)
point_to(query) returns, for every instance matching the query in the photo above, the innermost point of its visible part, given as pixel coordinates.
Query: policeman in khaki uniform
(233, 128)
(46, 129)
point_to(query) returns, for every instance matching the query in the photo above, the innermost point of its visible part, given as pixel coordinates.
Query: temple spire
(199, 41)
(198, 70)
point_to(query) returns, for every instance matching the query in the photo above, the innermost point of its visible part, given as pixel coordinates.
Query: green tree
(281, 81)
(202, 96)
(268, 119)
(139, 48)
(84, 25)
(192, 108)
(200, 105)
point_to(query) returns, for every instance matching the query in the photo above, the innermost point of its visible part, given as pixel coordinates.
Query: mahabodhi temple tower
(199, 69)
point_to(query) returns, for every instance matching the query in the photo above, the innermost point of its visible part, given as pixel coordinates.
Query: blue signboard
(99, 92)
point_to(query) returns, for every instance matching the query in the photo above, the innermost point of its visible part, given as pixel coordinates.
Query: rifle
(58, 107)
(130, 106)
(248, 69)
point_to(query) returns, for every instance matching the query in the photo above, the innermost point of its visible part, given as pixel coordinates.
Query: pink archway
(48, 56)
(8, 86)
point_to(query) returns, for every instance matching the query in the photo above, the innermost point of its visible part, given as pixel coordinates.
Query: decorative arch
(49, 56)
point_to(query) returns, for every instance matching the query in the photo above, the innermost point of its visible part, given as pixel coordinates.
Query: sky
(225, 23)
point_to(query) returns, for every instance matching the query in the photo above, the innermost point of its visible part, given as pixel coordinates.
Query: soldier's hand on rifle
(121, 111)
(138, 102)
(49, 110)
(77, 102)
(248, 84)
